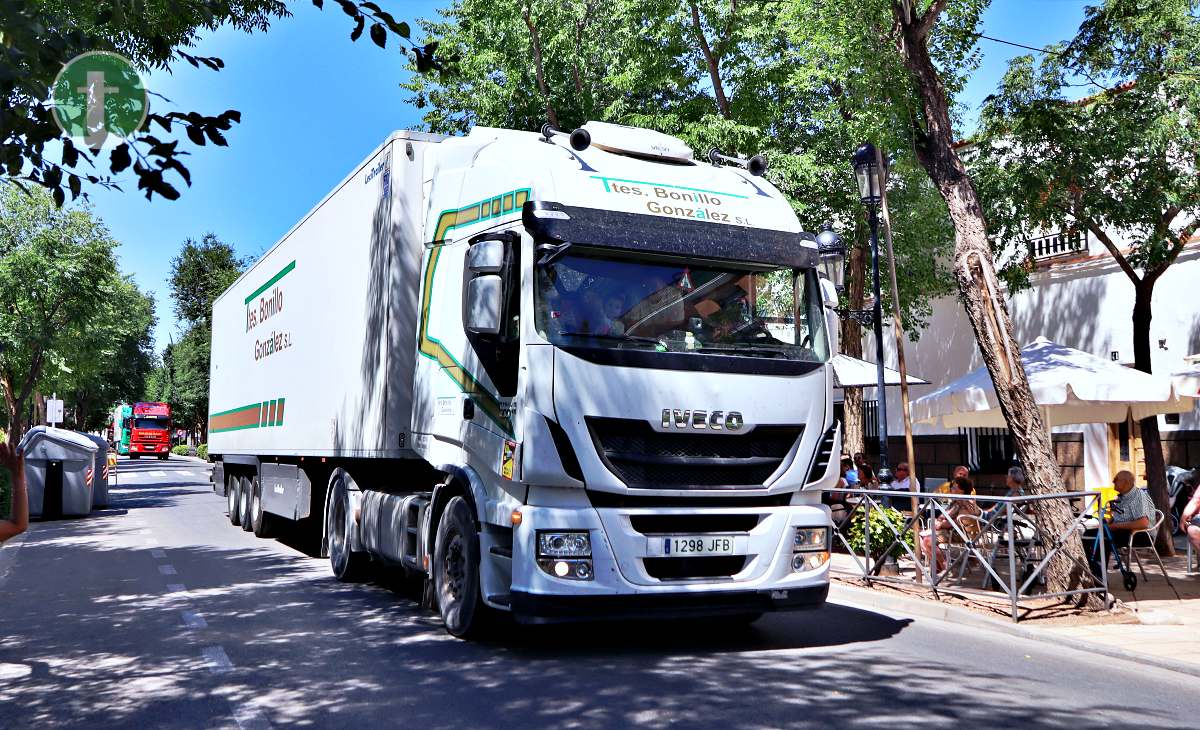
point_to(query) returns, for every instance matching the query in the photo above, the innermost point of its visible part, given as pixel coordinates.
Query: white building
(1078, 298)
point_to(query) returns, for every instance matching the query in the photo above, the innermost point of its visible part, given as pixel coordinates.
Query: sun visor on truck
(663, 236)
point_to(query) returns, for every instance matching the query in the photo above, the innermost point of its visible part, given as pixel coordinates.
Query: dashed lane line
(218, 660)
(176, 588)
(158, 553)
(167, 570)
(248, 718)
(193, 620)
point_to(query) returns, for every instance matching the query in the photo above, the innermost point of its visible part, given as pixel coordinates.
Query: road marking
(167, 569)
(176, 588)
(157, 473)
(184, 473)
(145, 532)
(218, 660)
(152, 541)
(193, 620)
(248, 718)
(158, 553)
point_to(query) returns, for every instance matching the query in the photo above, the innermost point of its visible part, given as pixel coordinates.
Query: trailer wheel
(261, 523)
(348, 566)
(232, 488)
(456, 571)
(245, 488)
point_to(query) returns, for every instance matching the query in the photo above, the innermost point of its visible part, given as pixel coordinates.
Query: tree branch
(714, 71)
(1113, 250)
(536, 41)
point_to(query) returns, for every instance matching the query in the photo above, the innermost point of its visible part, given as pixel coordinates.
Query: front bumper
(148, 448)
(623, 586)
(531, 608)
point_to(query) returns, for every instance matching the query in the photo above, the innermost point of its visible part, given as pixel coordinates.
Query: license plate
(691, 545)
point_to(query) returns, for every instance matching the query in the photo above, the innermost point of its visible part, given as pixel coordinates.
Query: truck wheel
(348, 566)
(456, 571)
(232, 487)
(245, 487)
(261, 523)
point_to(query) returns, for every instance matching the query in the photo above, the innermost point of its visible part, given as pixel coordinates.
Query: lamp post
(867, 172)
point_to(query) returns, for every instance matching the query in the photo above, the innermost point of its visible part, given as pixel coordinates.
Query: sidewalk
(1159, 629)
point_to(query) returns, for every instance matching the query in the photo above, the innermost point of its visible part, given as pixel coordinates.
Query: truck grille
(682, 524)
(646, 459)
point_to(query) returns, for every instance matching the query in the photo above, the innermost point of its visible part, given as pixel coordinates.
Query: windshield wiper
(618, 338)
(752, 351)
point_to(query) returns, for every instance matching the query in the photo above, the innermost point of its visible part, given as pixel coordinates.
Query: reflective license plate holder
(687, 546)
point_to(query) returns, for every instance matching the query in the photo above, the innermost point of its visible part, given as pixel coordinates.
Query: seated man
(1131, 510)
(960, 472)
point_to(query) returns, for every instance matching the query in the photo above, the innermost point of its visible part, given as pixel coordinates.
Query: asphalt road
(158, 613)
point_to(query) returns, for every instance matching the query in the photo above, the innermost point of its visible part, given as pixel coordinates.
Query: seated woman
(839, 506)
(943, 529)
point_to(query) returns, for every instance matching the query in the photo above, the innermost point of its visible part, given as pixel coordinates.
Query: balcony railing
(1054, 245)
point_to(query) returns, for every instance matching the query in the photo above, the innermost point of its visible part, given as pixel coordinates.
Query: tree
(920, 30)
(40, 36)
(199, 274)
(106, 358)
(53, 266)
(1120, 165)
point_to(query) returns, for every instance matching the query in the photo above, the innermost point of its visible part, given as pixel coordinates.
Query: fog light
(802, 562)
(577, 569)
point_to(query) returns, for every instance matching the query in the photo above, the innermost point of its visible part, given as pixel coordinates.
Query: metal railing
(1006, 529)
(1058, 244)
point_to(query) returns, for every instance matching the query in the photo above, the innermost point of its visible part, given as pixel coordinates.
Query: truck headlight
(564, 544)
(802, 562)
(566, 555)
(811, 539)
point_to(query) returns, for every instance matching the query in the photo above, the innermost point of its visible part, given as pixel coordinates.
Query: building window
(987, 450)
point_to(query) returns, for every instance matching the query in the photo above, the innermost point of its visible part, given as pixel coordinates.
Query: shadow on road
(107, 647)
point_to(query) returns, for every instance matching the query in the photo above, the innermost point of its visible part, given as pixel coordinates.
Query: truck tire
(261, 523)
(456, 572)
(245, 487)
(233, 500)
(348, 566)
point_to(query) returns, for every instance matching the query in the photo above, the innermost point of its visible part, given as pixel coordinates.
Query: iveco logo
(711, 420)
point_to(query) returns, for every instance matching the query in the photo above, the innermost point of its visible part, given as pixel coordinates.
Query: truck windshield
(150, 424)
(601, 302)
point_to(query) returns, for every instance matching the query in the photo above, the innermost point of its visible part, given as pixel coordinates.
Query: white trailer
(534, 370)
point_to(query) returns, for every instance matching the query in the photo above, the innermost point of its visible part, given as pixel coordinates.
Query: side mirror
(484, 303)
(829, 293)
(486, 257)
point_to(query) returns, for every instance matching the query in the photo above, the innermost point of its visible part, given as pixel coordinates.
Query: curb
(188, 458)
(8, 554)
(866, 598)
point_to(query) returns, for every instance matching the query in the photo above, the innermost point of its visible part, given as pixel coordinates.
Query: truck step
(504, 552)
(502, 599)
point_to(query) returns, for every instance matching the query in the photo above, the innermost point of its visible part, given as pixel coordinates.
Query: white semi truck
(536, 371)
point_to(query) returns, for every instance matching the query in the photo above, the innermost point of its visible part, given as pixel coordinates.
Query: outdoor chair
(982, 537)
(1132, 551)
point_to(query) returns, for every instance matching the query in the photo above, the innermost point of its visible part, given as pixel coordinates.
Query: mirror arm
(552, 253)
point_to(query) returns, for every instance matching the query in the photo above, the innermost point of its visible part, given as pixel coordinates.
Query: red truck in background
(151, 431)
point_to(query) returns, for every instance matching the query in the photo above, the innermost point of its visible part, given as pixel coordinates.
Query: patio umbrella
(850, 372)
(1070, 386)
(1187, 382)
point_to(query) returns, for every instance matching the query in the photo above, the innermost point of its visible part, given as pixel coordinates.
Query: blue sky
(314, 104)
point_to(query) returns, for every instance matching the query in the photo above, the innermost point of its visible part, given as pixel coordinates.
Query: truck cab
(643, 354)
(150, 430)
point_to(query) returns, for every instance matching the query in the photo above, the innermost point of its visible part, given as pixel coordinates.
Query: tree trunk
(1156, 468)
(712, 62)
(538, 67)
(851, 337)
(983, 300)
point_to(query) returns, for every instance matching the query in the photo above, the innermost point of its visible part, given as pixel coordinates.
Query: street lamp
(868, 172)
(833, 255)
